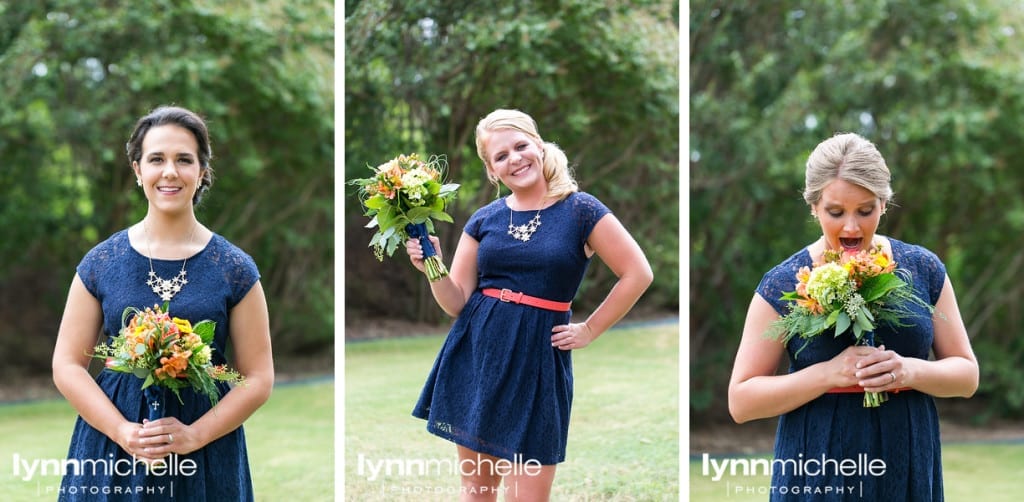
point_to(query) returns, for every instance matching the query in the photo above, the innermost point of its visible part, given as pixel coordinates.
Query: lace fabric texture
(903, 432)
(497, 385)
(219, 277)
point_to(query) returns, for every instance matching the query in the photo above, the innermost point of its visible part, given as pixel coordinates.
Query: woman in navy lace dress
(820, 426)
(168, 256)
(501, 387)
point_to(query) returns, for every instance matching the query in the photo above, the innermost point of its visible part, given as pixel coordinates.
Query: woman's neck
(164, 229)
(529, 200)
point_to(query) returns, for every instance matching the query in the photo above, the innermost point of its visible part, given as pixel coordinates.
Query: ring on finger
(170, 438)
(893, 375)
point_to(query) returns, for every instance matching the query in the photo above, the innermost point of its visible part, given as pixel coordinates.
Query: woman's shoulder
(921, 262)
(584, 199)
(782, 278)
(912, 251)
(116, 243)
(789, 266)
(491, 207)
(221, 247)
(586, 206)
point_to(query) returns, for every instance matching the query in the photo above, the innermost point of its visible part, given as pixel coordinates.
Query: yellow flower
(183, 325)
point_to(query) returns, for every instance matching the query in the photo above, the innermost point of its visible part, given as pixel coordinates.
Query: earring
(138, 181)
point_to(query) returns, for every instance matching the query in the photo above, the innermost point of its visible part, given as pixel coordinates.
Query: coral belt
(857, 389)
(507, 295)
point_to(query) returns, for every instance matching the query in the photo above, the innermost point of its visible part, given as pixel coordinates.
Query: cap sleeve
(588, 210)
(474, 227)
(98, 262)
(240, 271)
(781, 279)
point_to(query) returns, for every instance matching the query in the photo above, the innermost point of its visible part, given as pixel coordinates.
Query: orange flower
(174, 365)
(811, 304)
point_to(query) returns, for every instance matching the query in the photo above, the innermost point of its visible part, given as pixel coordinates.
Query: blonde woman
(501, 387)
(824, 427)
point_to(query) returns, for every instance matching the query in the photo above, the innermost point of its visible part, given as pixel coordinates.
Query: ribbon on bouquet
(419, 231)
(154, 395)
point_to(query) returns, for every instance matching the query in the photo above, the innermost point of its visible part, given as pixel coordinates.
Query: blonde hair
(556, 164)
(851, 158)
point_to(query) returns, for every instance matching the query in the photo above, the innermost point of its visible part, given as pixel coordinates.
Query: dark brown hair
(181, 117)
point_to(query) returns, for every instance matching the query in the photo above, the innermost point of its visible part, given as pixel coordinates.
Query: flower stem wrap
(433, 266)
(872, 399)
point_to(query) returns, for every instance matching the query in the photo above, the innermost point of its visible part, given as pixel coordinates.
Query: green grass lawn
(290, 441)
(623, 435)
(981, 471)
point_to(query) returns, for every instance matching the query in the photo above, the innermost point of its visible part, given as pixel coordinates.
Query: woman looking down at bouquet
(821, 402)
(501, 387)
(196, 451)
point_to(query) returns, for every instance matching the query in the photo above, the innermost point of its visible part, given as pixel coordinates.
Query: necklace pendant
(524, 232)
(166, 288)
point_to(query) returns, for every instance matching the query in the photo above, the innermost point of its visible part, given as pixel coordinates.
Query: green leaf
(149, 377)
(385, 217)
(864, 324)
(205, 329)
(376, 202)
(833, 317)
(418, 214)
(876, 287)
(842, 323)
(441, 216)
(392, 246)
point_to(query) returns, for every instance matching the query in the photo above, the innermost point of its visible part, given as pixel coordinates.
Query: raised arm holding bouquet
(501, 387)
(404, 197)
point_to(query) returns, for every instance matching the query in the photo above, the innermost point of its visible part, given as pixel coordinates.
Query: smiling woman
(210, 278)
(518, 265)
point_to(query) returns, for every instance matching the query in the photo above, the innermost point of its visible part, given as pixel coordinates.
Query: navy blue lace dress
(219, 277)
(903, 432)
(497, 386)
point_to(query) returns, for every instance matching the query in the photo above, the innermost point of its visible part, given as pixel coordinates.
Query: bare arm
(617, 248)
(79, 331)
(250, 338)
(755, 391)
(453, 291)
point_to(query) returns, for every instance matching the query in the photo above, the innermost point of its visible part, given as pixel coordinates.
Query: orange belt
(507, 295)
(857, 389)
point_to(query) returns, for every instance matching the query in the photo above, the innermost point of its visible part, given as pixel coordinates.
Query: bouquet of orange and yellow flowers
(403, 197)
(848, 292)
(166, 352)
